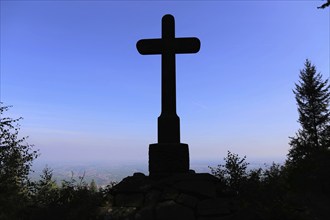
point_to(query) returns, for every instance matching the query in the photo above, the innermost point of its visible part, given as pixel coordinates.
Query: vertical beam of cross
(168, 46)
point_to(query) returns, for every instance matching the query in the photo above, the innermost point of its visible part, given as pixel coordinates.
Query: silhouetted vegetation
(325, 5)
(298, 189)
(16, 157)
(74, 199)
(309, 157)
(21, 198)
(313, 98)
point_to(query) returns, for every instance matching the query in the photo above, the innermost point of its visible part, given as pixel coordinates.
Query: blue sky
(71, 69)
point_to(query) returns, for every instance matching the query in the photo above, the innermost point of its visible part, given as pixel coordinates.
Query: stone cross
(168, 156)
(167, 47)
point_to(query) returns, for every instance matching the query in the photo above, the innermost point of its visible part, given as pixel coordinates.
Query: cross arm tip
(187, 45)
(149, 46)
(139, 46)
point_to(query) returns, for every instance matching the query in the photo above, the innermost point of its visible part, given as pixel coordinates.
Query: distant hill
(104, 172)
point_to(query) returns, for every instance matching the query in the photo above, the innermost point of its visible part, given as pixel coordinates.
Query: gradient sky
(71, 69)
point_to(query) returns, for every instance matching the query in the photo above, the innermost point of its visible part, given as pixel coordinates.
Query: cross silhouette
(168, 46)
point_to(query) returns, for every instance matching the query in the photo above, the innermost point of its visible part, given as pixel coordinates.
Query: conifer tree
(313, 97)
(93, 186)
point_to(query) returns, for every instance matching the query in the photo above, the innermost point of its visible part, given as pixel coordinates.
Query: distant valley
(103, 173)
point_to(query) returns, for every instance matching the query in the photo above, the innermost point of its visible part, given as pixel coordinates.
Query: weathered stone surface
(202, 184)
(129, 200)
(212, 218)
(168, 158)
(152, 197)
(199, 184)
(246, 215)
(179, 196)
(121, 213)
(187, 200)
(189, 177)
(217, 206)
(135, 183)
(170, 210)
(230, 217)
(169, 194)
(202, 188)
(146, 213)
(139, 175)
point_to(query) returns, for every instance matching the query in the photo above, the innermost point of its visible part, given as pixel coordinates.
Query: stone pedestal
(168, 158)
(184, 196)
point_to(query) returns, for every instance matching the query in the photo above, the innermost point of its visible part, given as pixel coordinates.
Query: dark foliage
(233, 173)
(21, 198)
(299, 189)
(325, 5)
(313, 98)
(74, 199)
(16, 158)
(309, 156)
(278, 191)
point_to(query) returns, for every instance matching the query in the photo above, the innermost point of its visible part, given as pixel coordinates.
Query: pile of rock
(188, 196)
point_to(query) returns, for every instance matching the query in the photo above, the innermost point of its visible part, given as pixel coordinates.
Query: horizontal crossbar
(160, 46)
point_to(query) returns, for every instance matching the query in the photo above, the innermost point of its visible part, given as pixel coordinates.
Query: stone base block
(168, 158)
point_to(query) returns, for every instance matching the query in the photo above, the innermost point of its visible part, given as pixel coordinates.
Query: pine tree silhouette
(313, 98)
